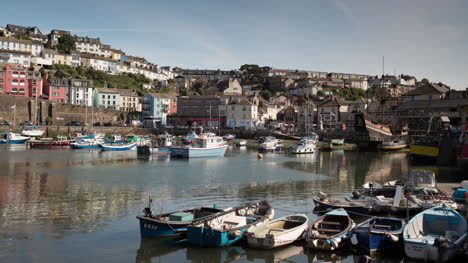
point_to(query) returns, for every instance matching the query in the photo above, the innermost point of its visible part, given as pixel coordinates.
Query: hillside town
(67, 68)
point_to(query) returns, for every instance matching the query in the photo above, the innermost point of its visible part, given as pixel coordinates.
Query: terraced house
(106, 98)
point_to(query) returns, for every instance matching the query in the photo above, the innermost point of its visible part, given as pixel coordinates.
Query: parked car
(75, 123)
(26, 123)
(4, 123)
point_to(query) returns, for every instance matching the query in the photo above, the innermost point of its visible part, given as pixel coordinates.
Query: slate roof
(428, 88)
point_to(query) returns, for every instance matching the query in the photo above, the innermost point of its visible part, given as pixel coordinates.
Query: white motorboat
(279, 232)
(32, 132)
(305, 145)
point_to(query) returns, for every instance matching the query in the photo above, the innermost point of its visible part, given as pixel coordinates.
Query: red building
(35, 84)
(56, 89)
(13, 80)
(173, 106)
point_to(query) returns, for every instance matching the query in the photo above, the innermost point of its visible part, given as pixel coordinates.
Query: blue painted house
(154, 108)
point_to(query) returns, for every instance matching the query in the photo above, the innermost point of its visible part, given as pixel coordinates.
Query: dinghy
(279, 232)
(328, 203)
(229, 226)
(330, 231)
(435, 234)
(117, 147)
(171, 223)
(378, 234)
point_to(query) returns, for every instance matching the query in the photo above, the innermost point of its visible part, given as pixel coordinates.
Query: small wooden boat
(171, 223)
(327, 145)
(117, 147)
(225, 228)
(337, 142)
(327, 203)
(330, 231)
(279, 232)
(380, 233)
(435, 234)
(241, 143)
(50, 143)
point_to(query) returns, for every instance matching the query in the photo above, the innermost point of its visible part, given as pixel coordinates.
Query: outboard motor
(441, 242)
(356, 195)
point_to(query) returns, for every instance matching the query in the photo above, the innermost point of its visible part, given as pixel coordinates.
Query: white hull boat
(32, 132)
(279, 232)
(435, 234)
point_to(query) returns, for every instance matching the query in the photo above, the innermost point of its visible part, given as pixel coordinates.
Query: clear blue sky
(425, 38)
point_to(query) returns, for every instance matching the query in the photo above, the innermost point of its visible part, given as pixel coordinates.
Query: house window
(15, 82)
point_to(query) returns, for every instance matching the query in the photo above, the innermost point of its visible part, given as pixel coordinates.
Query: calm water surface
(80, 206)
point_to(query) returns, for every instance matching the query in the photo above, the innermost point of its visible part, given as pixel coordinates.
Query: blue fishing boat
(435, 234)
(117, 147)
(171, 223)
(205, 146)
(225, 228)
(330, 231)
(378, 234)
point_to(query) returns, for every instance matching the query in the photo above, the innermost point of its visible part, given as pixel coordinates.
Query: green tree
(170, 81)
(251, 70)
(2, 34)
(321, 93)
(166, 89)
(266, 94)
(66, 43)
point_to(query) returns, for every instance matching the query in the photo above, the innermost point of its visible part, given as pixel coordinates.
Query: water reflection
(68, 194)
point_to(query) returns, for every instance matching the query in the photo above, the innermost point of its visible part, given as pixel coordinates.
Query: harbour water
(80, 206)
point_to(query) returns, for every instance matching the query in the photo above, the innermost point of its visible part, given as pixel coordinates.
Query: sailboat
(32, 131)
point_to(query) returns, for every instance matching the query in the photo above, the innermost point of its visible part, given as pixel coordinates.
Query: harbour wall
(19, 109)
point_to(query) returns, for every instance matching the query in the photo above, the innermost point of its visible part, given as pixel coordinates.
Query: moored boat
(85, 144)
(203, 146)
(241, 142)
(32, 132)
(14, 138)
(50, 143)
(337, 142)
(225, 228)
(327, 145)
(278, 232)
(117, 147)
(229, 137)
(270, 144)
(330, 231)
(435, 234)
(326, 203)
(379, 234)
(149, 150)
(376, 136)
(305, 145)
(171, 223)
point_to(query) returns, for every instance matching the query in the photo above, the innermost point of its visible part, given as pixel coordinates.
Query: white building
(88, 45)
(242, 113)
(15, 57)
(81, 92)
(13, 44)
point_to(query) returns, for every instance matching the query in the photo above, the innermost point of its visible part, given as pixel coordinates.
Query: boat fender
(260, 156)
(354, 240)
(236, 233)
(335, 242)
(356, 195)
(392, 238)
(441, 242)
(315, 242)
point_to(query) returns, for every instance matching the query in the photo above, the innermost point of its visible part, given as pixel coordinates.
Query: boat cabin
(208, 142)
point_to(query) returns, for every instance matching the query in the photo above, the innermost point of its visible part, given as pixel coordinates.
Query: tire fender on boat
(335, 242)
